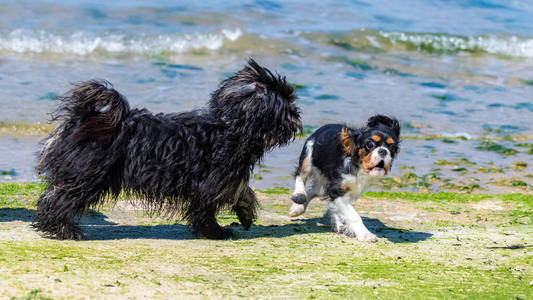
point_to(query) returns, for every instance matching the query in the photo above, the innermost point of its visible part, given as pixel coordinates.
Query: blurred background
(457, 74)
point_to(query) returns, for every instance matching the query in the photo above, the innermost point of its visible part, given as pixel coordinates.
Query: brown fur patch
(346, 142)
(305, 165)
(389, 141)
(345, 188)
(376, 138)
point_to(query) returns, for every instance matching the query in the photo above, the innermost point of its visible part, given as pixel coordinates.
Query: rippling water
(448, 68)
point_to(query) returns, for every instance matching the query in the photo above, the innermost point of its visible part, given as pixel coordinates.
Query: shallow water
(450, 68)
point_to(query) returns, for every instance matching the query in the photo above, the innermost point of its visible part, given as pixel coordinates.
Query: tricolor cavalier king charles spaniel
(340, 162)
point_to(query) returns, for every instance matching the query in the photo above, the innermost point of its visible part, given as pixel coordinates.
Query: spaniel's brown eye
(369, 145)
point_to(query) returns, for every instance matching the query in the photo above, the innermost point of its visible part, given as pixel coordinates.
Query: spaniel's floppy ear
(390, 122)
(347, 142)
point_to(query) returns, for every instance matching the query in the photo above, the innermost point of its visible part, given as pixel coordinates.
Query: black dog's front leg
(204, 224)
(246, 208)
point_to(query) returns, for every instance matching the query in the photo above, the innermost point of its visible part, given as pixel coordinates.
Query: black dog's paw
(66, 232)
(299, 198)
(214, 233)
(59, 231)
(71, 232)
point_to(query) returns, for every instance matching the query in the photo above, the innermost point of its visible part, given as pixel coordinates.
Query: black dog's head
(259, 105)
(374, 146)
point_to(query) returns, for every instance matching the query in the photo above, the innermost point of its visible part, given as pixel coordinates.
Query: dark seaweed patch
(185, 67)
(524, 105)
(147, 80)
(449, 141)
(342, 44)
(528, 82)
(359, 64)
(526, 145)
(448, 97)
(95, 13)
(495, 105)
(171, 73)
(49, 96)
(355, 75)
(517, 182)
(394, 72)
(11, 172)
(356, 63)
(433, 85)
(297, 86)
(326, 97)
(494, 147)
(268, 5)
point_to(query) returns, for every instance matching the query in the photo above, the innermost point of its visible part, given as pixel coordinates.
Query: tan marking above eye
(376, 138)
(389, 141)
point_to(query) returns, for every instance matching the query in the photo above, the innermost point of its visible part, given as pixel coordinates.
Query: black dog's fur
(192, 164)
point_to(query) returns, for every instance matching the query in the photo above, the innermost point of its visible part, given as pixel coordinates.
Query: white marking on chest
(357, 183)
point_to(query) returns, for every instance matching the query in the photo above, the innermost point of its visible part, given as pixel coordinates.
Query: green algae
(447, 197)
(19, 195)
(297, 86)
(300, 259)
(519, 165)
(495, 147)
(528, 82)
(326, 97)
(356, 63)
(32, 295)
(307, 130)
(528, 146)
(276, 191)
(25, 129)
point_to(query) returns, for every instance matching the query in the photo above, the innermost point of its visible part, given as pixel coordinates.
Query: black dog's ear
(387, 121)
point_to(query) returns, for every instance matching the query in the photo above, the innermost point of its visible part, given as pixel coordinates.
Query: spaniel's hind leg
(300, 196)
(246, 208)
(351, 223)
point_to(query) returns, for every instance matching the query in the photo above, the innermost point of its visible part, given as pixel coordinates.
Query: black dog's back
(167, 156)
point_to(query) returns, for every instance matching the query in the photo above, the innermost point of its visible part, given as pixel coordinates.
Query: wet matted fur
(190, 164)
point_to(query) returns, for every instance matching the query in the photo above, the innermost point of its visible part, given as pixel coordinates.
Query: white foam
(502, 45)
(458, 135)
(82, 43)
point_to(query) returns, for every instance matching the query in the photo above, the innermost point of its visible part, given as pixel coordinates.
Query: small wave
(82, 43)
(439, 43)
(512, 46)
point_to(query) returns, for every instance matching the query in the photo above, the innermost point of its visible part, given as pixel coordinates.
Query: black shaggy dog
(192, 164)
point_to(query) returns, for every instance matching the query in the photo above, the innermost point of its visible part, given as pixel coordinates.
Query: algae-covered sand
(431, 246)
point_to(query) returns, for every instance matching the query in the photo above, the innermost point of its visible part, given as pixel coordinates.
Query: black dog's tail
(91, 111)
(95, 107)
